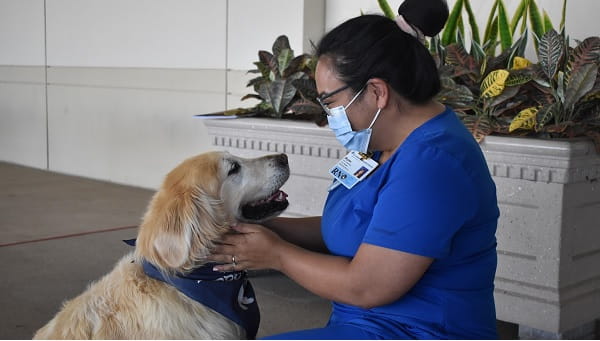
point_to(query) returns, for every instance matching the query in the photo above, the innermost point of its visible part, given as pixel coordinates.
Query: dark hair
(374, 46)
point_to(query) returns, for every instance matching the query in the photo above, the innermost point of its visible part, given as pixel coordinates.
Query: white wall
(124, 78)
(134, 33)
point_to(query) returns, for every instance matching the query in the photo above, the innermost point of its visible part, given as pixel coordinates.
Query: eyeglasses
(326, 95)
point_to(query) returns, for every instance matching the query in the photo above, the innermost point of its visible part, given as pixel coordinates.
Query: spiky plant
(285, 85)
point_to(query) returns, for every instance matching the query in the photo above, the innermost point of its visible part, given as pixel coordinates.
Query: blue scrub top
(433, 197)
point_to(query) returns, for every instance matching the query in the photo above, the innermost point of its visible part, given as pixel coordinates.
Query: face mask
(340, 125)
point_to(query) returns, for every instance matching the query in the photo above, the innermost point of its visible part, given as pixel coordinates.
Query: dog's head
(201, 198)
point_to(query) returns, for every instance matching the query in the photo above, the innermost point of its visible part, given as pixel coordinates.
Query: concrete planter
(311, 151)
(548, 278)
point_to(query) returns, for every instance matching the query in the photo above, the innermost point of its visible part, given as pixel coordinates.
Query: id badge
(353, 168)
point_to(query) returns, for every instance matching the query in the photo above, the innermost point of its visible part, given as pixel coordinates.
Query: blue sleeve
(426, 199)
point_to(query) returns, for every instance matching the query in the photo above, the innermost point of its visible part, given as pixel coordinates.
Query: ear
(381, 89)
(172, 249)
(165, 236)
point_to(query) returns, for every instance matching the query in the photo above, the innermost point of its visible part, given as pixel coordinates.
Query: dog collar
(228, 293)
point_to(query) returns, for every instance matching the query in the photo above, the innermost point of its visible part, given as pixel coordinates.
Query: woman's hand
(249, 246)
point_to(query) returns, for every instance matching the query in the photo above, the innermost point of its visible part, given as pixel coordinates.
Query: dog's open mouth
(263, 208)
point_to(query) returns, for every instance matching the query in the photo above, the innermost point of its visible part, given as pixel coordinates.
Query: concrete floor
(58, 233)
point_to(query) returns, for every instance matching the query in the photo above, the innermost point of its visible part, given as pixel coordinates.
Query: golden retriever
(197, 203)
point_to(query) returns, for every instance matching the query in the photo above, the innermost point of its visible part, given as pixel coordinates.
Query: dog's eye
(235, 167)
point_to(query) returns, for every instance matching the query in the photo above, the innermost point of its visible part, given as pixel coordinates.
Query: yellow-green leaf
(494, 83)
(524, 120)
(520, 63)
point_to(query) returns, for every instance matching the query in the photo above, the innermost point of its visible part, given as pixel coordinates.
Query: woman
(409, 251)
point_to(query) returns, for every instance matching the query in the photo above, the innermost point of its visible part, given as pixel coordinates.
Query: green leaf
(550, 52)
(518, 16)
(524, 20)
(492, 41)
(386, 9)
(449, 34)
(477, 52)
(581, 82)
(262, 68)
(535, 20)
(490, 26)
(278, 94)
(564, 15)
(283, 60)
(472, 22)
(518, 49)
(460, 34)
(547, 22)
(504, 27)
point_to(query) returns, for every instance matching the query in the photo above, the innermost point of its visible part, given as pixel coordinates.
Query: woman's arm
(304, 232)
(374, 277)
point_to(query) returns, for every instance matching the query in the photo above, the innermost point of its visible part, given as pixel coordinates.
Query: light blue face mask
(339, 123)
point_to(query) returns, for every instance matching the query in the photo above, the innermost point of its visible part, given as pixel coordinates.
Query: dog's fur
(195, 205)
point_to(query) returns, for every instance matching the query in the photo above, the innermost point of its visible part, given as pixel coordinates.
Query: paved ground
(58, 233)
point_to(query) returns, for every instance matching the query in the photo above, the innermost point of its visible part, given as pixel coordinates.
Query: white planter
(548, 277)
(311, 151)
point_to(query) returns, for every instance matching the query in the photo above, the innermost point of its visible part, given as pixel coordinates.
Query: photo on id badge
(360, 172)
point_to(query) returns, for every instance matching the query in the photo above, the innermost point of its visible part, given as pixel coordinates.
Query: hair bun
(429, 16)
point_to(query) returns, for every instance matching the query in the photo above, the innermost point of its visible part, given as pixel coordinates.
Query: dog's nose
(282, 159)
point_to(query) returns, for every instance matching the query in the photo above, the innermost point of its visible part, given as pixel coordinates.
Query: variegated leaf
(518, 78)
(479, 126)
(525, 119)
(494, 83)
(545, 115)
(582, 81)
(520, 63)
(550, 52)
(456, 55)
(587, 52)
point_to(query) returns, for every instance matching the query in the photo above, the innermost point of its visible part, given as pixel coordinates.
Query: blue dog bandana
(228, 293)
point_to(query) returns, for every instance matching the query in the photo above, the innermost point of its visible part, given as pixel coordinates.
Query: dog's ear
(162, 239)
(179, 229)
